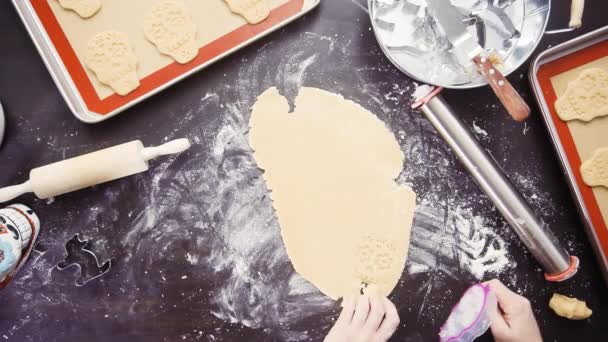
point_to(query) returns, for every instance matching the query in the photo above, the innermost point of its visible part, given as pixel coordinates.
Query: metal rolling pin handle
(528, 226)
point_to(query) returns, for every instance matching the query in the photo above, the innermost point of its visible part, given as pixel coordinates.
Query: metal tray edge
(549, 55)
(50, 58)
(68, 89)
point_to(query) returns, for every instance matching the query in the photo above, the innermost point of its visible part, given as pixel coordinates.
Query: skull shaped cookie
(169, 26)
(84, 8)
(254, 11)
(595, 170)
(110, 56)
(586, 98)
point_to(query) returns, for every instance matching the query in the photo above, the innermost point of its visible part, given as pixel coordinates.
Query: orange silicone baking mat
(219, 31)
(579, 139)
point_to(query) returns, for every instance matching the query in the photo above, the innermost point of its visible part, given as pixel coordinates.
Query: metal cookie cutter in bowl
(461, 43)
(415, 43)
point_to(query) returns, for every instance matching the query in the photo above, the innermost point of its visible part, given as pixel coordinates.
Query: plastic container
(471, 316)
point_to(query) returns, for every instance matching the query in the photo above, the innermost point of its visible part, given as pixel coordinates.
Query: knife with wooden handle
(467, 49)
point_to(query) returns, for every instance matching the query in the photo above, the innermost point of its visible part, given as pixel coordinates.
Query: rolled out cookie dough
(254, 11)
(595, 170)
(586, 97)
(84, 8)
(331, 167)
(110, 56)
(170, 27)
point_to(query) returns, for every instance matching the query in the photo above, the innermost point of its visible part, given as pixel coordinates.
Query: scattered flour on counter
(453, 241)
(192, 259)
(296, 68)
(479, 130)
(205, 217)
(529, 184)
(526, 128)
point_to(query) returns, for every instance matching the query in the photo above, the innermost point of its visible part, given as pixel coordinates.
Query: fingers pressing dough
(254, 11)
(110, 56)
(84, 8)
(169, 26)
(586, 97)
(595, 170)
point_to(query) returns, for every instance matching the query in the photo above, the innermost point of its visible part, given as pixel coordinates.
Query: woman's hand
(368, 318)
(514, 321)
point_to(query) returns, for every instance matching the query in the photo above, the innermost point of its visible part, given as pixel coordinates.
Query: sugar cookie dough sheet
(330, 167)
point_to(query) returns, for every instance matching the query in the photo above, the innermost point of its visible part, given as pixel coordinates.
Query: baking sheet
(576, 141)
(212, 17)
(61, 37)
(587, 136)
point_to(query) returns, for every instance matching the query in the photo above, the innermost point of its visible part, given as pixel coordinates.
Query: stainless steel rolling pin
(528, 226)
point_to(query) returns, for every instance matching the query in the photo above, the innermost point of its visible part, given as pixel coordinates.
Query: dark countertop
(193, 245)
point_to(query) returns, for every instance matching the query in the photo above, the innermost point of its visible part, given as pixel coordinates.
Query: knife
(466, 49)
(2, 124)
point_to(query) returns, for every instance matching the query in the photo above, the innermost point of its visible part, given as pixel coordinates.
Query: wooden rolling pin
(91, 169)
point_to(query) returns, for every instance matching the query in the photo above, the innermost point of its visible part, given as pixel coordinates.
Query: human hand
(368, 318)
(514, 321)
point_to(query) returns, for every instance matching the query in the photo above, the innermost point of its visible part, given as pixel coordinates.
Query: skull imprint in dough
(254, 11)
(110, 56)
(84, 8)
(169, 26)
(377, 257)
(586, 97)
(595, 170)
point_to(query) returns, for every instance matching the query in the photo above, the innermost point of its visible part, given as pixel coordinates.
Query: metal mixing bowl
(413, 41)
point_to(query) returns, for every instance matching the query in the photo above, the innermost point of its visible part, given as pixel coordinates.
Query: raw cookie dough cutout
(254, 11)
(570, 308)
(330, 167)
(110, 56)
(84, 8)
(595, 170)
(586, 97)
(378, 262)
(169, 26)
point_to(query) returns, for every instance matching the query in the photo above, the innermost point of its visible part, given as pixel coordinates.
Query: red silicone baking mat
(220, 32)
(579, 139)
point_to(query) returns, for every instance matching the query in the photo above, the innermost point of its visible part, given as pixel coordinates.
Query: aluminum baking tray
(81, 91)
(573, 140)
